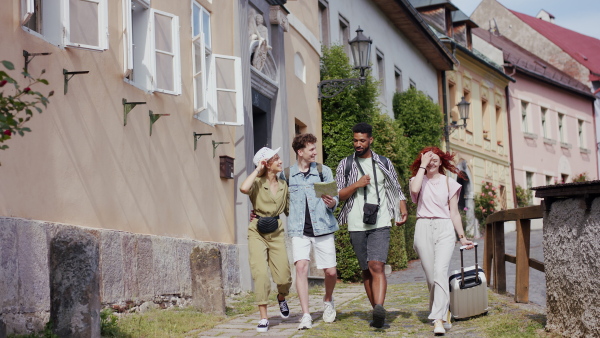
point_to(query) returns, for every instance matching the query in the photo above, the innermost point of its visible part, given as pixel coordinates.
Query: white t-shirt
(434, 196)
(355, 216)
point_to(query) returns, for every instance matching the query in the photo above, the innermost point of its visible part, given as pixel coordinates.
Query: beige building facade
(212, 82)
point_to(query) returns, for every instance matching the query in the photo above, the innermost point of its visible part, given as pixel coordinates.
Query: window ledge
(549, 141)
(565, 145)
(584, 151)
(530, 136)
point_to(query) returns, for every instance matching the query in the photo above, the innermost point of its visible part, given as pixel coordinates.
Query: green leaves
(16, 104)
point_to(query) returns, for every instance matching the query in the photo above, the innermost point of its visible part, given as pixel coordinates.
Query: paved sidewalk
(243, 325)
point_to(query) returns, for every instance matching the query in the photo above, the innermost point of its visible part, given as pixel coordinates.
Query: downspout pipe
(510, 148)
(445, 103)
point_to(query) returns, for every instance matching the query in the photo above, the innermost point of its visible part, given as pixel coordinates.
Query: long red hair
(447, 160)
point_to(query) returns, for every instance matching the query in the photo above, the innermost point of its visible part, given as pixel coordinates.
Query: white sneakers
(438, 327)
(305, 322)
(329, 311)
(263, 325)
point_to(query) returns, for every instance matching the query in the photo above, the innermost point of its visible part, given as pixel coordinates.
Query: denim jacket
(302, 189)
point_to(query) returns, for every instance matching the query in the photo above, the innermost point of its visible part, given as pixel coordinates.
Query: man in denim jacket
(311, 223)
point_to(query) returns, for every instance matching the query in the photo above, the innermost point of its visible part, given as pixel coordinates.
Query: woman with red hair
(436, 196)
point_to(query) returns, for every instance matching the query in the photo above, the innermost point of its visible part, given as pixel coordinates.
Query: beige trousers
(268, 250)
(434, 243)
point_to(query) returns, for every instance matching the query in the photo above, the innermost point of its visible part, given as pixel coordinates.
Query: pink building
(551, 119)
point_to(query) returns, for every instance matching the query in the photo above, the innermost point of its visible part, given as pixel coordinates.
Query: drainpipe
(445, 103)
(510, 149)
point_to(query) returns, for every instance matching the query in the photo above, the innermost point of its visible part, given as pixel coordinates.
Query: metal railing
(494, 256)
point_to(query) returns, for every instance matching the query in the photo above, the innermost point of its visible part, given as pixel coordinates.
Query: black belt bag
(267, 225)
(370, 210)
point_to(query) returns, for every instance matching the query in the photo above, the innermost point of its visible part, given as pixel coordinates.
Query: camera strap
(374, 176)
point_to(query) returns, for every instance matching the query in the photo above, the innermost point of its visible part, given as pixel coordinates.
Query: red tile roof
(583, 48)
(531, 64)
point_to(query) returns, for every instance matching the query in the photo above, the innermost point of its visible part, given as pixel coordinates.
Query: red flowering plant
(16, 104)
(485, 202)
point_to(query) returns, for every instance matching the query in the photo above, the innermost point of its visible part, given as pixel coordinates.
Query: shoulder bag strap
(374, 177)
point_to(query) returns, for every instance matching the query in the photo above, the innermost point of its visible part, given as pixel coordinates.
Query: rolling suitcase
(468, 290)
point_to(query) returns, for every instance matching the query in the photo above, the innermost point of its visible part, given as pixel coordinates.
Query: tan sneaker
(438, 327)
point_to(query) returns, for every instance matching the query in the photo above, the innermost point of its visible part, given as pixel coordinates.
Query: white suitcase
(468, 290)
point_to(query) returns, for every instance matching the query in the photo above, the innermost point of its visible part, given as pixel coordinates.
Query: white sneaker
(448, 321)
(305, 322)
(329, 311)
(438, 327)
(263, 325)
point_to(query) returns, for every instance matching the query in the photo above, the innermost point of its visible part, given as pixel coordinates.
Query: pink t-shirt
(434, 196)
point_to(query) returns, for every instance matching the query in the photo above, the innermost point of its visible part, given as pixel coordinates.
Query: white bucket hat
(264, 154)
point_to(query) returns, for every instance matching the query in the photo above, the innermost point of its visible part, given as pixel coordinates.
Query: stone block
(166, 281)
(9, 283)
(207, 280)
(2, 329)
(34, 291)
(145, 267)
(184, 249)
(75, 283)
(112, 267)
(130, 266)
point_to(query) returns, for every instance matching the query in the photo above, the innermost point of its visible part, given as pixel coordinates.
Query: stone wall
(572, 261)
(134, 270)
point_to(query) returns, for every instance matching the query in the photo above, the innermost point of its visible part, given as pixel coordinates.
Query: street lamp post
(463, 111)
(361, 55)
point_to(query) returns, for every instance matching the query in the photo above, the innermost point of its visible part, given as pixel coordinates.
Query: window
(299, 127)
(524, 125)
(345, 34)
(201, 50)
(398, 79)
(381, 72)
(486, 120)
(561, 128)
(68, 23)
(324, 22)
(412, 84)
(564, 178)
(545, 122)
(499, 126)
(299, 67)
(151, 39)
(581, 134)
(224, 102)
(549, 180)
(529, 183)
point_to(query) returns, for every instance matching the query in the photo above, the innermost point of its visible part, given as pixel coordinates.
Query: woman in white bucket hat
(269, 197)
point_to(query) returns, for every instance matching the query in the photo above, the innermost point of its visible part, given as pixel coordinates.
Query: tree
(17, 105)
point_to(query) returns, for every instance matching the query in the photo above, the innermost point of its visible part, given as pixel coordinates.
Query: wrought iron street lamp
(463, 111)
(361, 55)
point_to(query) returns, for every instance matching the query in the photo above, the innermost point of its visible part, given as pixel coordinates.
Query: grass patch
(407, 307)
(174, 323)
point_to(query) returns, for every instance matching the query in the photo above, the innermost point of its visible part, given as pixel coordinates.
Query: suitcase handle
(462, 266)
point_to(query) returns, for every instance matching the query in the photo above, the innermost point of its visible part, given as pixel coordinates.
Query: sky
(582, 16)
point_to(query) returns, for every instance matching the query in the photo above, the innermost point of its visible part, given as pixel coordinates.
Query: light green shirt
(355, 217)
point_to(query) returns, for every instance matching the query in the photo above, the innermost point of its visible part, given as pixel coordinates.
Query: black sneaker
(263, 325)
(378, 316)
(283, 308)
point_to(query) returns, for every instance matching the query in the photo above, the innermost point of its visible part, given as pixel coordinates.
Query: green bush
(524, 196)
(397, 252)
(347, 265)
(108, 323)
(409, 237)
(581, 177)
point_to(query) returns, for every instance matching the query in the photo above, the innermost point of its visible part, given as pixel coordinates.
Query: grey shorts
(370, 245)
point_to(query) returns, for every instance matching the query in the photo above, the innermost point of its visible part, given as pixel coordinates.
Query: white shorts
(324, 250)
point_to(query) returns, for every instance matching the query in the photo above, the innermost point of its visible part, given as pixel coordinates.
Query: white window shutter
(85, 24)
(127, 39)
(200, 78)
(209, 114)
(167, 74)
(228, 90)
(27, 9)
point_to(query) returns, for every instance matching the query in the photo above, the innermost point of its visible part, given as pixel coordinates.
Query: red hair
(447, 160)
